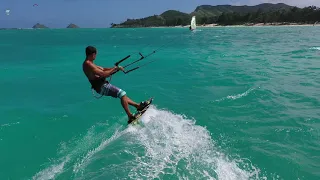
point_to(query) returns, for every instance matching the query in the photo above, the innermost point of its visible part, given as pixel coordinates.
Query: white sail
(193, 23)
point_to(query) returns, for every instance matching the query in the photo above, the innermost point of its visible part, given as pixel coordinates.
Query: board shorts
(108, 89)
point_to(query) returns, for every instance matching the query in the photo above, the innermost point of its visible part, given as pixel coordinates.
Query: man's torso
(88, 71)
(95, 80)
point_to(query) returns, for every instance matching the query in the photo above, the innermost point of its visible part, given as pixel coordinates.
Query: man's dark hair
(90, 50)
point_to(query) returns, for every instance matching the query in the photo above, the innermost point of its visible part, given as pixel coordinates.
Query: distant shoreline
(258, 25)
(242, 25)
(217, 25)
(198, 26)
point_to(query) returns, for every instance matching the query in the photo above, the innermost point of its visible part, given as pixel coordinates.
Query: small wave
(52, 171)
(237, 96)
(84, 161)
(315, 48)
(69, 154)
(9, 124)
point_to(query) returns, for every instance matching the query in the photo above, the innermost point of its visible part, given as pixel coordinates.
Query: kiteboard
(138, 114)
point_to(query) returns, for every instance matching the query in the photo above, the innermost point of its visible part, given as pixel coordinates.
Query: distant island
(224, 15)
(39, 26)
(72, 26)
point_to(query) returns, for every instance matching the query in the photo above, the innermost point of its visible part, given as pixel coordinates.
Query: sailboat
(193, 24)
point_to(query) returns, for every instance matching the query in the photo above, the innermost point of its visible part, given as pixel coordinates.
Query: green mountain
(143, 22)
(167, 18)
(230, 15)
(204, 13)
(307, 15)
(207, 10)
(72, 26)
(39, 26)
(173, 17)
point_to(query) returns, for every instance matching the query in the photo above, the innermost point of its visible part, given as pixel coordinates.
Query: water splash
(237, 96)
(69, 153)
(53, 171)
(175, 146)
(9, 124)
(315, 48)
(78, 167)
(165, 145)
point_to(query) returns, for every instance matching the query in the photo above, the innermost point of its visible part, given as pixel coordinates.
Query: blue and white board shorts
(108, 89)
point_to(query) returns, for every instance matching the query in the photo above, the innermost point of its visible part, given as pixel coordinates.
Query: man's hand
(120, 68)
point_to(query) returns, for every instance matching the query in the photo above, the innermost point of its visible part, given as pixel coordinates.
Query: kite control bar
(142, 57)
(117, 63)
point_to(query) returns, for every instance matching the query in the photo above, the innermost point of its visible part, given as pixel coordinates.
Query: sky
(101, 13)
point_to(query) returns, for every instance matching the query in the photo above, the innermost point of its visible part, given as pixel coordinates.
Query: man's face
(94, 56)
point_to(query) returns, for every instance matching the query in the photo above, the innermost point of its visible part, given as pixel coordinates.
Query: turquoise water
(229, 103)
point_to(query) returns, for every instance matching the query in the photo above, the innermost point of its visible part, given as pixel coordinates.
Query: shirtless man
(97, 75)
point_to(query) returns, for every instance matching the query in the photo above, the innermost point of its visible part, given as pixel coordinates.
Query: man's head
(91, 52)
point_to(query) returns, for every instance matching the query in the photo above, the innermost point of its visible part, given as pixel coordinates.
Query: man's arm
(101, 72)
(104, 69)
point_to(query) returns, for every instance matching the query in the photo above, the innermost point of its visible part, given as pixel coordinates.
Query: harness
(96, 85)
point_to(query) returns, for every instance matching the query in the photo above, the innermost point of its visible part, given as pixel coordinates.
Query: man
(97, 75)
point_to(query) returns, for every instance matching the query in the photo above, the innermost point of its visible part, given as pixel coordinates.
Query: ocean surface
(230, 103)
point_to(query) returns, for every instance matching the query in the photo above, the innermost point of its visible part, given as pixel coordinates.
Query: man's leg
(132, 103)
(124, 102)
(139, 107)
(113, 91)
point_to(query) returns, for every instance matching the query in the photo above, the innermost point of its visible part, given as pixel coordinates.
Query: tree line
(308, 15)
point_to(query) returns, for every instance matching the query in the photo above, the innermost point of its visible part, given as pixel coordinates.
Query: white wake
(164, 146)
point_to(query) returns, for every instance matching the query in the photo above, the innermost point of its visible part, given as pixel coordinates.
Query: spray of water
(164, 146)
